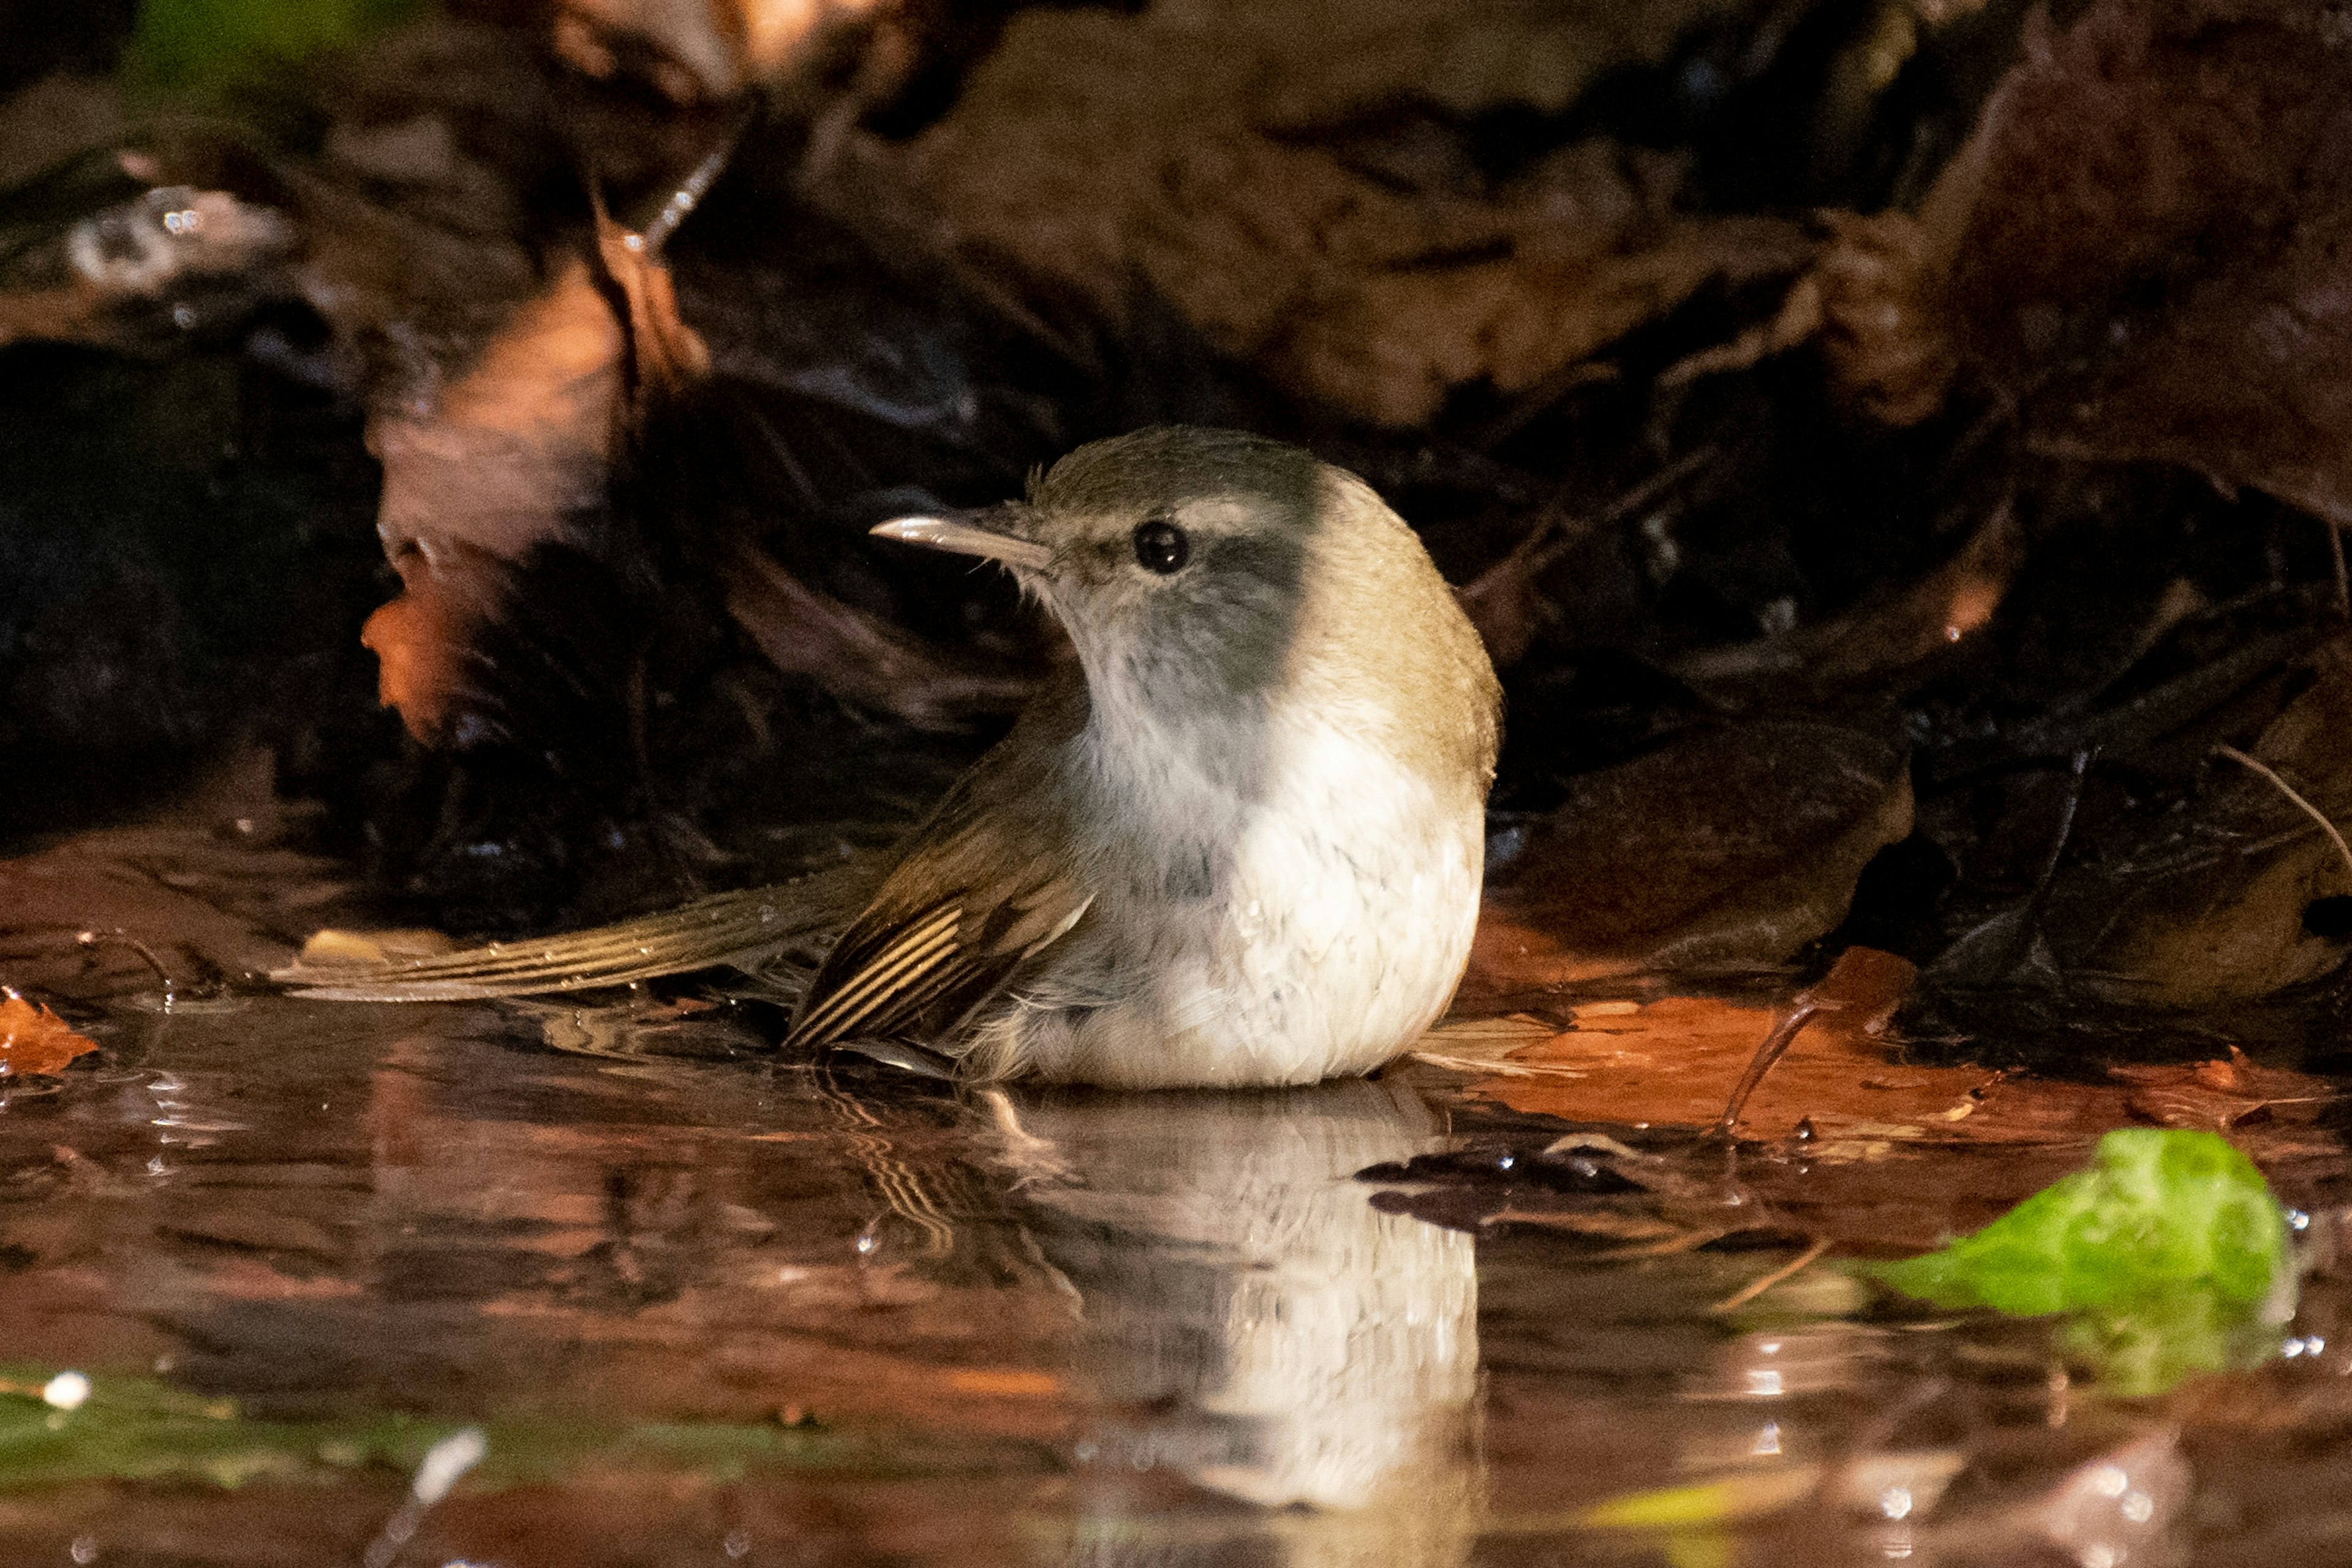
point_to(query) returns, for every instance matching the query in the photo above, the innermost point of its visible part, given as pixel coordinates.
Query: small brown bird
(1240, 844)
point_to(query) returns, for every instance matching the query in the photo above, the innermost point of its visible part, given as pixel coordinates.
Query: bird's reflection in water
(1253, 1325)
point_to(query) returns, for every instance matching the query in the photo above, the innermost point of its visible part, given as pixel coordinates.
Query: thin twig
(1632, 501)
(2287, 790)
(2029, 920)
(1776, 1044)
(120, 937)
(1538, 544)
(1755, 1288)
(688, 194)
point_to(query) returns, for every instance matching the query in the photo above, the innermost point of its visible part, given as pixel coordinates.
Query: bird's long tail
(740, 929)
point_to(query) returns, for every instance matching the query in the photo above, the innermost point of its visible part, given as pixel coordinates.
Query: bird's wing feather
(737, 927)
(984, 886)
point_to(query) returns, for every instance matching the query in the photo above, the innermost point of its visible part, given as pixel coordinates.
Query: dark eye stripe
(1161, 546)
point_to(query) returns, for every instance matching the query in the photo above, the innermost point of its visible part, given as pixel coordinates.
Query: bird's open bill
(965, 538)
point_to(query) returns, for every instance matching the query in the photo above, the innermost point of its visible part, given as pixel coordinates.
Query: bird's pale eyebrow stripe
(916, 951)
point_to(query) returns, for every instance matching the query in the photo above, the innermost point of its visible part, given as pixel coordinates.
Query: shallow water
(912, 1326)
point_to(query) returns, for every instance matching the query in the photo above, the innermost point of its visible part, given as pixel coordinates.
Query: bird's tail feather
(741, 929)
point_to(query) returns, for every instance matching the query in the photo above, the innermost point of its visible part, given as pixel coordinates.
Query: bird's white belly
(1336, 936)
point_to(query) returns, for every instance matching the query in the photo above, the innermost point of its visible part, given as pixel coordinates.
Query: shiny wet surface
(1047, 1327)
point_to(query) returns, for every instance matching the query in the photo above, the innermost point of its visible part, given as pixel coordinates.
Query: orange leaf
(34, 1039)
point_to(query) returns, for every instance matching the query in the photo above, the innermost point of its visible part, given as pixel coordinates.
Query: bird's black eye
(1161, 546)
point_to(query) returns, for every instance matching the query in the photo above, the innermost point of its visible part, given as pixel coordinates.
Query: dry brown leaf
(1883, 325)
(35, 1040)
(1206, 148)
(501, 465)
(1885, 634)
(513, 455)
(2212, 912)
(2146, 234)
(1727, 848)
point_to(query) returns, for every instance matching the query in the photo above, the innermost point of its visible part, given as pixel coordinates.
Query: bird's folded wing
(979, 894)
(736, 928)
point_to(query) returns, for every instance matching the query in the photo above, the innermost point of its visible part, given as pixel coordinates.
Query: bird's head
(1177, 558)
(1205, 573)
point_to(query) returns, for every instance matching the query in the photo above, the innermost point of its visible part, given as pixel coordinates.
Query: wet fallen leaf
(1674, 1061)
(1727, 848)
(2218, 1095)
(2169, 1254)
(35, 1040)
(1843, 1090)
(1861, 1484)
(2158, 1211)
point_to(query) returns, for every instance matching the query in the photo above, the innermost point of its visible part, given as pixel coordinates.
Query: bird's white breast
(1344, 897)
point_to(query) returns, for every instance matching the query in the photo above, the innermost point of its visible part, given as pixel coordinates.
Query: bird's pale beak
(966, 538)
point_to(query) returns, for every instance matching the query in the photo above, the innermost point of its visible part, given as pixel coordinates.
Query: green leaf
(2159, 1210)
(2164, 1252)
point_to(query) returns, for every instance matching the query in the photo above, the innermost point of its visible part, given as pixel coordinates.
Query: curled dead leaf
(1883, 328)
